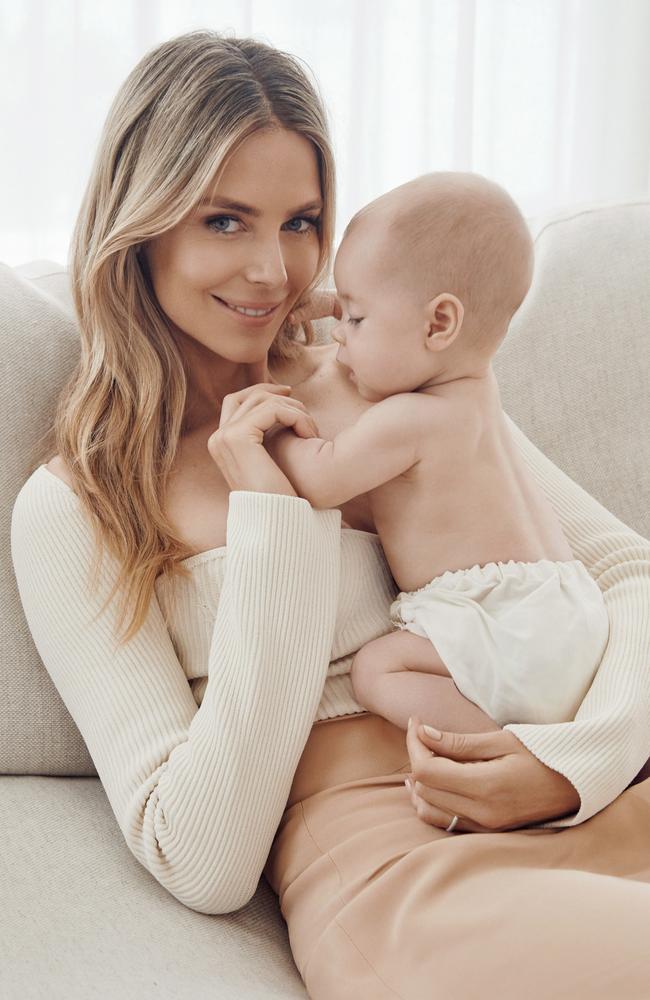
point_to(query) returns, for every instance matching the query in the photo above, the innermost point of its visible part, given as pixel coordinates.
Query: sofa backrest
(573, 371)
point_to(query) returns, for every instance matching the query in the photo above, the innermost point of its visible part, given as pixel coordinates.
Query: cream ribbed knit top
(196, 726)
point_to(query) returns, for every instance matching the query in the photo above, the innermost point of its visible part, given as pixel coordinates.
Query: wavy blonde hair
(182, 111)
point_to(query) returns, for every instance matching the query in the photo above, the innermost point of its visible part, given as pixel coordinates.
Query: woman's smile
(249, 314)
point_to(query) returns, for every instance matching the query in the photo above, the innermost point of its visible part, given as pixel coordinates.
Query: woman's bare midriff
(197, 494)
(348, 748)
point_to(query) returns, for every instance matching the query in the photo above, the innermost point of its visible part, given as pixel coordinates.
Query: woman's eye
(311, 223)
(300, 225)
(216, 223)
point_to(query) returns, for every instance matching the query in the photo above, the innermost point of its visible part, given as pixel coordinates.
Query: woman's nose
(268, 267)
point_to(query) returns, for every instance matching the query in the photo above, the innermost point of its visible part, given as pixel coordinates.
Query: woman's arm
(556, 775)
(607, 744)
(197, 793)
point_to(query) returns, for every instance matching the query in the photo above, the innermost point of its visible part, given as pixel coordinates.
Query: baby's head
(431, 273)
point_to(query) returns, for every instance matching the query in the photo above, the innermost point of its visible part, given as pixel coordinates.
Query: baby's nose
(338, 333)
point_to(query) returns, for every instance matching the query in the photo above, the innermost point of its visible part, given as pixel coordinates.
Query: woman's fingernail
(410, 721)
(407, 782)
(434, 734)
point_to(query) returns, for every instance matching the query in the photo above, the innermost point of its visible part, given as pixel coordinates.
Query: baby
(428, 277)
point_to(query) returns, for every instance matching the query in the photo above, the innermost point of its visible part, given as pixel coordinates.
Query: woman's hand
(237, 446)
(321, 303)
(489, 780)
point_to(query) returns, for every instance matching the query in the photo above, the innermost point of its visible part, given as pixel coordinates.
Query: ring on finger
(452, 825)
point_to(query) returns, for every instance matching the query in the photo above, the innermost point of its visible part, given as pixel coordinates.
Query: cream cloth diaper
(522, 640)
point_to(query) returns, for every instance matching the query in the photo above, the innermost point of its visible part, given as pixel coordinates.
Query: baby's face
(380, 334)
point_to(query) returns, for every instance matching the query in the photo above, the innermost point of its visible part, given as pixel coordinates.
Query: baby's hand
(321, 303)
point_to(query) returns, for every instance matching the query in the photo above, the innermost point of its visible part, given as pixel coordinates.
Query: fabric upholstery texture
(82, 919)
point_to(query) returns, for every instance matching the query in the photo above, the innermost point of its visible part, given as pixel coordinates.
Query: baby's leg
(389, 676)
(401, 674)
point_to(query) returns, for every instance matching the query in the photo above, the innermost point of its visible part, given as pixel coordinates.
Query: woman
(207, 221)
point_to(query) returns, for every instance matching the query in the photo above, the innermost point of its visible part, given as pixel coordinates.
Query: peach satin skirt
(383, 906)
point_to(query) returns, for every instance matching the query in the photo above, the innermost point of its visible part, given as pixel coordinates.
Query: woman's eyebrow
(238, 206)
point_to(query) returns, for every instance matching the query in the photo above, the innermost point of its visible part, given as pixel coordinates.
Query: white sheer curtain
(547, 97)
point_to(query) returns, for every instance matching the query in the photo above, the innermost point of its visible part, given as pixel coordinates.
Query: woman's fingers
(249, 427)
(303, 423)
(441, 818)
(237, 405)
(463, 746)
(320, 304)
(448, 804)
(234, 400)
(291, 413)
(448, 782)
(489, 779)
(243, 406)
(237, 445)
(444, 787)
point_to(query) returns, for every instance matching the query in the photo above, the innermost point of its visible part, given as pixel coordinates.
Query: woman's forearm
(608, 742)
(164, 763)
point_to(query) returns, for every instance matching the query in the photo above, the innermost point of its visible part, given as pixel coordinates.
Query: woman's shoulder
(46, 507)
(59, 467)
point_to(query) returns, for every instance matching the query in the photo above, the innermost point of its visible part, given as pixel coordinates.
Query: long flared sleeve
(602, 750)
(197, 792)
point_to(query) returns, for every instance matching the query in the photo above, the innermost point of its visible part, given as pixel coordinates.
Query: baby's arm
(383, 443)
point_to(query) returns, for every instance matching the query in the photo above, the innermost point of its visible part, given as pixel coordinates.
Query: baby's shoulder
(308, 362)
(414, 407)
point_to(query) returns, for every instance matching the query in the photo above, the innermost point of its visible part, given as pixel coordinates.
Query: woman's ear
(445, 316)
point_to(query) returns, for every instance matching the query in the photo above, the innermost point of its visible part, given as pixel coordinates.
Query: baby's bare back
(469, 500)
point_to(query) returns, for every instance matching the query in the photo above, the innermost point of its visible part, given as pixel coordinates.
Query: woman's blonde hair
(182, 111)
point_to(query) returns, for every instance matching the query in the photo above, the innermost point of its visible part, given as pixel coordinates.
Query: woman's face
(254, 246)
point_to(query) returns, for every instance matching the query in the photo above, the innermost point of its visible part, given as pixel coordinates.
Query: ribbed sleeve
(608, 742)
(197, 792)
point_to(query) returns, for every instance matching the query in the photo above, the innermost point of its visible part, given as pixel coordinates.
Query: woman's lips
(243, 317)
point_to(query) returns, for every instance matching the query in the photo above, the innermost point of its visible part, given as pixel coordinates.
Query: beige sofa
(80, 917)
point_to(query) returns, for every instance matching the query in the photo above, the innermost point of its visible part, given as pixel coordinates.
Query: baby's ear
(445, 316)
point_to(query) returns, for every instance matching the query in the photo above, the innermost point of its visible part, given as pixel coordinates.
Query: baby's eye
(215, 223)
(355, 320)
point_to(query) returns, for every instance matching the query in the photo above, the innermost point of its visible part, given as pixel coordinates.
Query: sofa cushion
(573, 372)
(39, 341)
(574, 369)
(82, 918)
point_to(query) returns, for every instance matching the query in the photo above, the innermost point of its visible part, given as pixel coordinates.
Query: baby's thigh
(398, 651)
